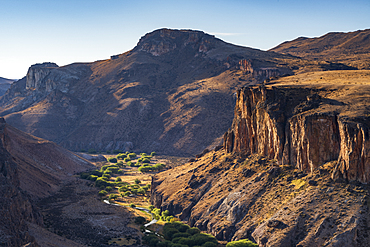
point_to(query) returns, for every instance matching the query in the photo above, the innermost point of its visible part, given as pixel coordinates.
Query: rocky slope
(16, 208)
(281, 175)
(344, 50)
(30, 168)
(173, 93)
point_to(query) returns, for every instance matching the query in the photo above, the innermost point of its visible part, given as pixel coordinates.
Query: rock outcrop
(276, 123)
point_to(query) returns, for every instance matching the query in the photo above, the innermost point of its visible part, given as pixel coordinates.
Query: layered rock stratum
(293, 170)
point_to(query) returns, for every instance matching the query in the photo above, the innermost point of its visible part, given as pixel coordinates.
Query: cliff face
(276, 123)
(16, 208)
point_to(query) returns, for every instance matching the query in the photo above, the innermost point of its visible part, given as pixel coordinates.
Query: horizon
(86, 31)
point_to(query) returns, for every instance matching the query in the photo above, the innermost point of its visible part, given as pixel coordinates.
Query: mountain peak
(165, 40)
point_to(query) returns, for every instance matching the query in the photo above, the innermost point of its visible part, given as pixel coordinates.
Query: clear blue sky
(67, 31)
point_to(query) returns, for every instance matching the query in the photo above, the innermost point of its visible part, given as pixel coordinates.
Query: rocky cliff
(280, 179)
(301, 127)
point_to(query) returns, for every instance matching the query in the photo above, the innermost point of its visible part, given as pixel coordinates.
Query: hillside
(30, 169)
(173, 93)
(293, 170)
(344, 50)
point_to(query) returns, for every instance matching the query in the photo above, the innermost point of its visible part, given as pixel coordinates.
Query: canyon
(280, 139)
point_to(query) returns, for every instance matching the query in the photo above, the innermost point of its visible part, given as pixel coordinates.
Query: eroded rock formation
(276, 123)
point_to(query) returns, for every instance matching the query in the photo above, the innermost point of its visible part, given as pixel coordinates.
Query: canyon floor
(77, 216)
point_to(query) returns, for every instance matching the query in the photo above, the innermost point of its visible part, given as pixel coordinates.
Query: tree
(112, 160)
(241, 243)
(103, 193)
(137, 181)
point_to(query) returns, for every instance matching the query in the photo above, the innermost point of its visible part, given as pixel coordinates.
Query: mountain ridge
(107, 104)
(351, 48)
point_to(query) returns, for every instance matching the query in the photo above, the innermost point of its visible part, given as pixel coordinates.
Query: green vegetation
(180, 234)
(121, 156)
(112, 160)
(150, 168)
(132, 155)
(137, 181)
(242, 243)
(91, 151)
(103, 193)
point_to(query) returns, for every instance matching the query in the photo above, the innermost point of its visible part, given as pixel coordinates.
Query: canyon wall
(16, 209)
(275, 122)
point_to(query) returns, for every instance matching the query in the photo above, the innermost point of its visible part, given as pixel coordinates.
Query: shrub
(113, 196)
(121, 156)
(132, 205)
(145, 160)
(127, 193)
(91, 151)
(241, 243)
(107, 176)
(113, 169)
(123, 189)
(137, 181)
(109, 188)
(126, 159)
(193, 231)
(152, 154)
(141, 191)
(120, 164)
(143, 154)
(168, 233)
(103, 193)
(181, 235)
(132, 155)
(165, 243)
(118, 179)
(151, 207)
(108, 152)
(140, 220)
(116, 151)
(112, 160)
(209, 244)
(101, 182)
(202, 238)
(151, 240)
